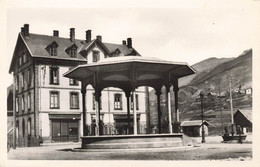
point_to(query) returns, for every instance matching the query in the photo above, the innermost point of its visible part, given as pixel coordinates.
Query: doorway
(65, 130)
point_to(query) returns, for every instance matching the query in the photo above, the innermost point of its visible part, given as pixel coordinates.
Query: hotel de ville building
(47, 106)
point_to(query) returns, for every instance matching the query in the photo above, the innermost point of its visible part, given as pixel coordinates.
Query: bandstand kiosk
(128, 73)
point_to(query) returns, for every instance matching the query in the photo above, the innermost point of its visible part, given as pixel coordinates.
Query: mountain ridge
(214, 79)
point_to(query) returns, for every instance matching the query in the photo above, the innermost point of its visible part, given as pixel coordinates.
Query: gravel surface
(206, 151)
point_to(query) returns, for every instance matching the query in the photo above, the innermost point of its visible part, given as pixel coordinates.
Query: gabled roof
(246, 113)
(88, 45)
(37, 45)
(123, 48)
(194, 123)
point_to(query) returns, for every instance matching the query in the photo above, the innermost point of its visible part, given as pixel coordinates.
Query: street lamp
(203, 131)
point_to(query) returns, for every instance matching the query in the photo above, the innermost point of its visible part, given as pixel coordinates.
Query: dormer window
(96, 56)
(115, 53)
(72, 51)
(53, 49)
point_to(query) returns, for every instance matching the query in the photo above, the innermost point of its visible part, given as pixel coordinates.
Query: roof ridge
(113, 44)
(55, 36)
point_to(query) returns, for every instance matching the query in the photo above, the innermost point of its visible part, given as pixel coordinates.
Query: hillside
(213, 78)
(203, 67)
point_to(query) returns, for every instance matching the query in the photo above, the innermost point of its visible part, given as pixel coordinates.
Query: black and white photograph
(125, 82)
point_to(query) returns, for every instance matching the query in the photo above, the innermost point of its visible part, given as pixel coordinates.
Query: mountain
(214, 77)
(203, 67)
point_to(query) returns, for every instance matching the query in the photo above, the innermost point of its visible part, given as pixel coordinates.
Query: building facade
(47, 106)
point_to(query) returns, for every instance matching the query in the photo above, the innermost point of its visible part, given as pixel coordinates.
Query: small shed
(243, 118)
(194, 128)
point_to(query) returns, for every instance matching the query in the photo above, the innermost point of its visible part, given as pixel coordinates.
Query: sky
(182, 33)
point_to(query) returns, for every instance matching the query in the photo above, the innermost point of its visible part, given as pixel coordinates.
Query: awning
(119, 116)
(65, 116)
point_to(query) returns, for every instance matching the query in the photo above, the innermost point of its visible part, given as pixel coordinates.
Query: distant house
(194, 128)
(243, 118)
(245, 89)
(10, 119)
(248, 91)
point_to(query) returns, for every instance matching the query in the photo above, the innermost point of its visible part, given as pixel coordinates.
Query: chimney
(88, 35)
(26, 30)
(55, 33)
(22, 30)
(123, 42)
(129, 42)
(99, 37)
(72, 35)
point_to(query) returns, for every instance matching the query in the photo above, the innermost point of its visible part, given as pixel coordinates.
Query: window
(29, 126)
(17, 82)
(17, 129)
(93, 118)
(22, 80)
(23, 127)
(16, 104)
(116, 53)
(94, 104)
(54, 75)
(53, 50)
(29, 101)
(72, 52)
(74, 82)
(74, 100)
(29, 77)
(118, 102)
(136, 102)
(20, 60)
(24, 57)
(54, 99)
(22, 103)
(96, 56)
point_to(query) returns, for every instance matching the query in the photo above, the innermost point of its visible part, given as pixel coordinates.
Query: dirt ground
(213, 149)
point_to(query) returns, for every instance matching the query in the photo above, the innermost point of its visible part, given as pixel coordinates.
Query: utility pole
(231, 104)
(202, 117)
(220, 108)
(231, 109)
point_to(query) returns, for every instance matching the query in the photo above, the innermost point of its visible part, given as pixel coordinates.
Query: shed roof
(194, 123)
(246, 112)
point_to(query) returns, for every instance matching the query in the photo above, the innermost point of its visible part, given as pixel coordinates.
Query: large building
(47, 106)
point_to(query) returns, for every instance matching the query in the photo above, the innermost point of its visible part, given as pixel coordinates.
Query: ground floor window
(29, 126)
(23, 127)
(17, 129)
